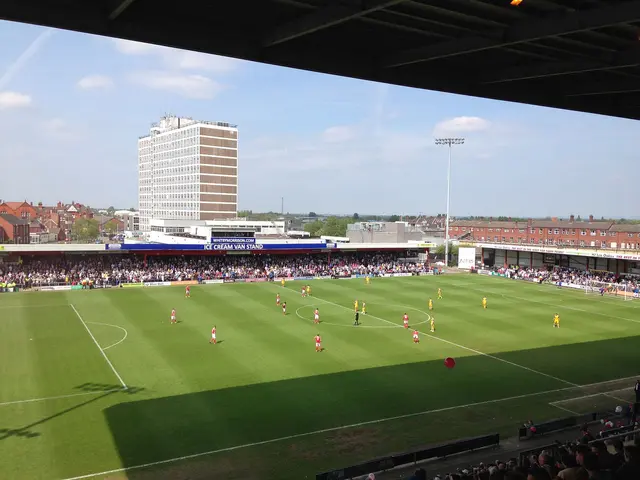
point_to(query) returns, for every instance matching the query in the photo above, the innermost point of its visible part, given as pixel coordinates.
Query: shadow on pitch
(229, 417)
(107, 389)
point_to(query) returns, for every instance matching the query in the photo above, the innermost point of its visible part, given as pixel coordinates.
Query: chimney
(572, 218)
(491, 219)
(509, 218)
(590, 218)
(530, 221)
(554, 219)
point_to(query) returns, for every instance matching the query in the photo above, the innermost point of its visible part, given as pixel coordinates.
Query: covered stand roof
(575, 54)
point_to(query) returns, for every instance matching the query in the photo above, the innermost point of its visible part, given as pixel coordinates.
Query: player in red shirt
(304, 292)
(173, 316)
(277, 299)
(316, 316)
(405, 320)
(213, 335)
(187, 292)
(318, 343)
(284, 308)
(416, 337)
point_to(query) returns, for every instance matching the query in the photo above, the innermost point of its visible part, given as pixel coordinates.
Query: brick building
(13, 229)
(559, 232)
(23, 210)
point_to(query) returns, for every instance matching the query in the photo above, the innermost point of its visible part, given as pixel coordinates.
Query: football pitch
(99, 384)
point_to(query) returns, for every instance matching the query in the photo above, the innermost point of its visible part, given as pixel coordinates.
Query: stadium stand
(112, 270)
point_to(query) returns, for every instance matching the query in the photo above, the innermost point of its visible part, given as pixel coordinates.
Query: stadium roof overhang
(579, 55)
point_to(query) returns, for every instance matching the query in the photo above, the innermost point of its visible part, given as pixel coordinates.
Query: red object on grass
(449, 362)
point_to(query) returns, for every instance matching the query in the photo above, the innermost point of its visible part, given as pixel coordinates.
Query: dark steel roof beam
(121, 7)
(324, 18)
(524, 31)
(610, 87)
(626, 59)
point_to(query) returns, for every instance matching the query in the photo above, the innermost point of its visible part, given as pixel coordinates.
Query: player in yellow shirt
(439, 294)
(430, 304)
(484, 302)
(367, 280)
(355, 306)
(282, 282)
(364, 308)
(433, 325)
(308, 290)
(556, 321)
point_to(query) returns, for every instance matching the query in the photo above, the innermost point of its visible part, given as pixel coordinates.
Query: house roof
(626, 227)
(581, 225)
(13, 220)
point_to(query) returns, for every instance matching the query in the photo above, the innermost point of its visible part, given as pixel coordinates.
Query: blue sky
(72, 107)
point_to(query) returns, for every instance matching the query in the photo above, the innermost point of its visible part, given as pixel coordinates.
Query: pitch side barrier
(58, 287)
(565, 423)
(412, 457)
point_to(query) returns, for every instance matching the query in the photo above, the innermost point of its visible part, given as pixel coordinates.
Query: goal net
(625, 291)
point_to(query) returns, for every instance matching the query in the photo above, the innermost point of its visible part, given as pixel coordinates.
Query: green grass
(264, 381)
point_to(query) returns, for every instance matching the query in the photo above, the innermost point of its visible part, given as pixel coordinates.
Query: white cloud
(175, 59)
(338, 134)
(95, 81)
(459, 125)
(189, 86)
(14, 100)
(55, 124)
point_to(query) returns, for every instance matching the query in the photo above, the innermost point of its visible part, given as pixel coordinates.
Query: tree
(313, 214)
(85, 229)
(356, 216)
(453, 250)
(314, 228)
(394, 218)
(244, 213)
(111, 227)
(111, 210)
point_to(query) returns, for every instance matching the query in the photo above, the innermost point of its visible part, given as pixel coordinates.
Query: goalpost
(620, 290)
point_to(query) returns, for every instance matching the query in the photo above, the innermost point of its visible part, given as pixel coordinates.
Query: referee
(356, 319)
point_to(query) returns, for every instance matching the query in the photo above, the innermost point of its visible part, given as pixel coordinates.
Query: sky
(72, 107)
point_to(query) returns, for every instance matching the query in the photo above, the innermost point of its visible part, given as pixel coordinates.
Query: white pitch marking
(333, 429)
(124, 385)
(115, 326)
(463, 347)
(565, 409)
(32, 400)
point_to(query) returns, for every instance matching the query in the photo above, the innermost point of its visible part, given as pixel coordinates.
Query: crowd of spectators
(571, 275)
(586, 459)
(100, 270)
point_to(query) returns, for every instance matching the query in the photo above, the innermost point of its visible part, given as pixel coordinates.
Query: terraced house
(559, 232)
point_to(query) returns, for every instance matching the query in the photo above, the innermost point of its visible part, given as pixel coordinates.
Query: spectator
(538, 473)
(591, 464)
(630, 470)
(569, 468)
(606, 461)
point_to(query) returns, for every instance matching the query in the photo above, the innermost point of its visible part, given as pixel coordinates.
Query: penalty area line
(329, 430)
(124, 385)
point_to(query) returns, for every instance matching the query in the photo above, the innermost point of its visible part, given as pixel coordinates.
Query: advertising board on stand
(185, 283)
(157, 284)
(213, 282)
(466, 258)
